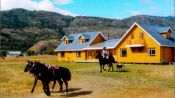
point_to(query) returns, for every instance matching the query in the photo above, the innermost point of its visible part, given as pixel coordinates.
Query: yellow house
(72, 46)
(142, 43)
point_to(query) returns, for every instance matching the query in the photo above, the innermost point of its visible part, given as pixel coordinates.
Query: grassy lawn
(138, 81)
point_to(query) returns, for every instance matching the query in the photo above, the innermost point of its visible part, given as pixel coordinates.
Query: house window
(66, 42)
(132, 36)
(83, 40)
(62, 54)
(89, 54)
(78, 54)
(151, 52)
(93, 54)
(141, 35)
(123, 53)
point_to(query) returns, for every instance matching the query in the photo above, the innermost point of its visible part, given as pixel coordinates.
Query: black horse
(37, 76)
(103, 61)
(49, 73)
(27, 68)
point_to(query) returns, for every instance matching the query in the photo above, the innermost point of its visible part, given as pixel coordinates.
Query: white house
(13, 53)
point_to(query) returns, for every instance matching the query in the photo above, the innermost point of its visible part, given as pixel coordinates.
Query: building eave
(95, 37)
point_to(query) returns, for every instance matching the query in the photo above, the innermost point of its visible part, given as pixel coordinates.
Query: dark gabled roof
(76, 45)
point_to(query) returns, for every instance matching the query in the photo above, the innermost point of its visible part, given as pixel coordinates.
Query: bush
(29, 53)
(50, 52)
(3, 53)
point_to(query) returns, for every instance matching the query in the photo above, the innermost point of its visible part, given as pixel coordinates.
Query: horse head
(98, 55)
(35, 67)
(28, 66)
(38, 68)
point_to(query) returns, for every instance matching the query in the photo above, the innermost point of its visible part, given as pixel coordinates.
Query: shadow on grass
(70, 90)
(79, 93)
(120, 71)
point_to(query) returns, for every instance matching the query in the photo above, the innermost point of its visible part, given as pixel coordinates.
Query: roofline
(124, 35)
(148, 34)
(98, 48)
(167, 46)
(96, 36)
(130, 30)
(68, 50)
(79, 36)
(63, 37)
(169, 28)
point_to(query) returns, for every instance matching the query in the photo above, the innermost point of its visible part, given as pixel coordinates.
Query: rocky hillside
(20, 28)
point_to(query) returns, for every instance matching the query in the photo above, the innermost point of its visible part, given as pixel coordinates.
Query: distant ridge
(21, 29)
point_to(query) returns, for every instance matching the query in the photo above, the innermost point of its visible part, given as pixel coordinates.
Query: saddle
(52, 67)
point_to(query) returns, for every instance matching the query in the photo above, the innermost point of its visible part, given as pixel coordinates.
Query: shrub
(3, 53)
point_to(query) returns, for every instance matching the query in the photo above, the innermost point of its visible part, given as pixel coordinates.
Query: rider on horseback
(105, 53)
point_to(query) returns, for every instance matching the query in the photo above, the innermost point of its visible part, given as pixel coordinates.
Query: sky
(115, 9)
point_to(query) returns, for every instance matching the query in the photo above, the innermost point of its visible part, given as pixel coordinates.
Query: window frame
(152, 52)
(62, 54)
(78, 53)
(123, 52)
(132, 35)
(141, 35)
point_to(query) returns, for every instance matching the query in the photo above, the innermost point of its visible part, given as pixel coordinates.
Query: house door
(86, 55)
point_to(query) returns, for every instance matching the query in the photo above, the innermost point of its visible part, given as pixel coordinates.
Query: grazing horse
(103, 61)
(47, 74)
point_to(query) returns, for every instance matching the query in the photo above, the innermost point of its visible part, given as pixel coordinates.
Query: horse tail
(66, 74)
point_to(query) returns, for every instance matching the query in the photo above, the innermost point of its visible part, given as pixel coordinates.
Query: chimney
(108, 37)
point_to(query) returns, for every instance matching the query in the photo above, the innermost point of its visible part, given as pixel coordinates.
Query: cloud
(134, 12)
(152, 10)
(62, 2)
(46, 5)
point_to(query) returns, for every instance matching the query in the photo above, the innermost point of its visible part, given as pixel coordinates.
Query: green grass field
(138, 81)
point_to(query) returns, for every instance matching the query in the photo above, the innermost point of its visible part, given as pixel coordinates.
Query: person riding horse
(105, 58)
(105, 53)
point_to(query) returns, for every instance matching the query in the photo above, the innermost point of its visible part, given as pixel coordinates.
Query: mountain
(20, 28)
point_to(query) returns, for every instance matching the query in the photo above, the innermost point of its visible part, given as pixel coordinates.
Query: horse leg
(109, 67)
(117, 68)
(54, 82)
(60, 84)
(65, 82)
(112, 67)
(46, 88)
(36, 79)
(100, 68)
(104, 67)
